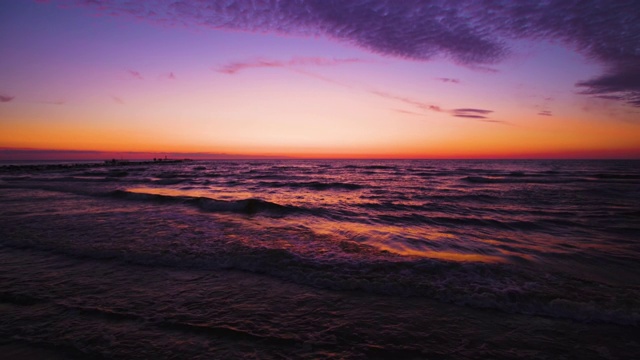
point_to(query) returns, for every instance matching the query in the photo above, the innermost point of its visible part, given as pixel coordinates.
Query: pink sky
(240, 80)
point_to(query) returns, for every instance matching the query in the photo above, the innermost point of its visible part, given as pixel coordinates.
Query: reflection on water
(553, 238)
(556, 213)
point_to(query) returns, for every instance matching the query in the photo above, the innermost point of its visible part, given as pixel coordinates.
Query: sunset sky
(320, 78)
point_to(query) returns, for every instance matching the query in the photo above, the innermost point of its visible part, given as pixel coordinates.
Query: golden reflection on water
(212, 193)
(411, 241)
(454, 256)
(414, 241)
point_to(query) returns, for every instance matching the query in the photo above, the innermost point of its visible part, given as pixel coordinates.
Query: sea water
(279, 258)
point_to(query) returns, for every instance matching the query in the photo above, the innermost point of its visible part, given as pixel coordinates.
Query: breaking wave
(246, 206)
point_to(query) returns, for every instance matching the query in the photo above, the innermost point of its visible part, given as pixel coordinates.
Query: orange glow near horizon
(254, 95)
(527, 139)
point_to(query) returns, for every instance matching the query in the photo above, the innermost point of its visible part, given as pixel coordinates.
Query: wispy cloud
(473, 33)
(406, 100)
(620, 82)
(6, 98)
(469, 116)
(609, 97)
(469, 113)
(496, 121)
(481, 68)
(135, 74)
(545, 113)
(448, 80)
(322, 78)
(472, 111)
(296, 64)
(402, 111)
(235, 67)
(117, 100)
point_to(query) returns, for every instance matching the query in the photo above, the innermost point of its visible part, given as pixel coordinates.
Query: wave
(169, 181)
(448, 215)
(520, 179)
(360, 268)
(16, 178)
(617, 176)
(587, 215)
(370, 167)
(314, 185)
(246, 206)
(60, 179)
(174, 175)
(462, 221)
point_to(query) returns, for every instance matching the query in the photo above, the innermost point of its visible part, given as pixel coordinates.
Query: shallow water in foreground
(324, 258)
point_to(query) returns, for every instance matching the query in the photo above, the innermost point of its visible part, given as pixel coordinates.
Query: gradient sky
(320, 78)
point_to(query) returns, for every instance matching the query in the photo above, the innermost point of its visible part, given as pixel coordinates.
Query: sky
(91, 79)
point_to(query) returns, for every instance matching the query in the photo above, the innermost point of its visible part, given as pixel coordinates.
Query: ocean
(321, 259)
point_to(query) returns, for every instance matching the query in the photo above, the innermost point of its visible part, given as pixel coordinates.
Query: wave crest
(246, 206)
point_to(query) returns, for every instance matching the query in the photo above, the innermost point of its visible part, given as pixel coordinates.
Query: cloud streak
(295, 63)
(468, 32)
(472, 111)
(448, 80)
(469, 116)
(135, 74)
(419, 104)
(6, 98)
(620, 82)
(469, 113)
(235, 67)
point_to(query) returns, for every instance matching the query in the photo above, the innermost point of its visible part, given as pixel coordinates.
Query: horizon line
(32, 154)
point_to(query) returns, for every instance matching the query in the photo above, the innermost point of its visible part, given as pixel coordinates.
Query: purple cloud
(117, 100)
(135, 74)
(448, 80)
(469, 110)
(480, 68)
(609, 97)
(545, 113)
(471, 33)
(470, 116)
(6, 98)
(236, 67)
(471, 113)
(621, 82)
(495, 121)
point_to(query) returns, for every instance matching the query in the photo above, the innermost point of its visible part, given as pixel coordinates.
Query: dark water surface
(356, 259)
